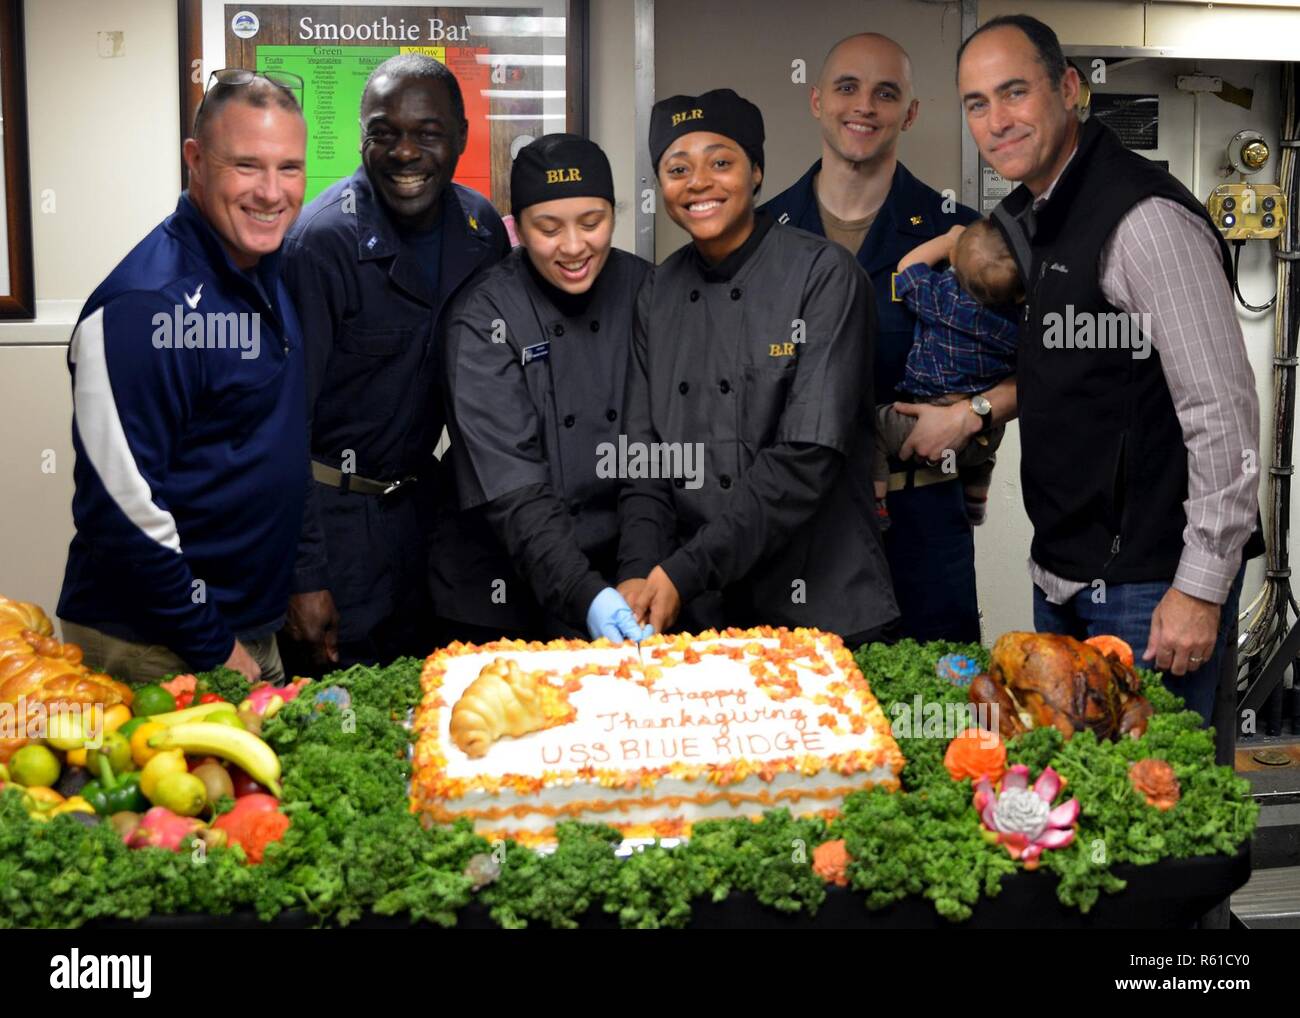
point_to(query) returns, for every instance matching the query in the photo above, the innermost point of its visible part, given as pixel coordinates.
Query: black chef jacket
(930, 545)
(369, 312)
(764, 359)
(534, 387)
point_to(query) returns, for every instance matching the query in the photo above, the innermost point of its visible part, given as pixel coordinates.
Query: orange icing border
(570, 810)
(670, 827)
(431, 788)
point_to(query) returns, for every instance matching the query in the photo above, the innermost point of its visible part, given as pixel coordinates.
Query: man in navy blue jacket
(371, 265)
(188, 414)
(859, 195)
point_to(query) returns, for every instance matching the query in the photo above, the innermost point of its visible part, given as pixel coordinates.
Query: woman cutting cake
(752, 344)
(536, 358)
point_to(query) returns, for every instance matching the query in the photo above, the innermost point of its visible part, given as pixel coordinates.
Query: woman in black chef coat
(536, 355)
(753, 343)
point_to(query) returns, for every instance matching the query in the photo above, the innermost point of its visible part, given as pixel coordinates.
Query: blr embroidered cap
(720, 111)
(559, 166)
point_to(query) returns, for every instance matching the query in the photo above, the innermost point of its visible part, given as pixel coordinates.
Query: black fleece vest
(1103, 466)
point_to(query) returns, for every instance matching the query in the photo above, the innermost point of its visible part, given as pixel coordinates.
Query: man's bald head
(872, 48)
(864, 100)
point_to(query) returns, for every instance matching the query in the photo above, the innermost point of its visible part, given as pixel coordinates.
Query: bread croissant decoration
(37, 667)
(504, 700)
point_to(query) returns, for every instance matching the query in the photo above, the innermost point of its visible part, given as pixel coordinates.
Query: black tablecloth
(1169, 895)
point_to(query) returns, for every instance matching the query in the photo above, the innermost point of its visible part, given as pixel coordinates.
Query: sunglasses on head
(242, 76)
(235, 76)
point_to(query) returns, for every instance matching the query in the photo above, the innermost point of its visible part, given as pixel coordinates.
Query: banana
(197, 713)
(234, 744)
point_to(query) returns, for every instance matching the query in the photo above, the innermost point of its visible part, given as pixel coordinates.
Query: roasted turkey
(1040, 679)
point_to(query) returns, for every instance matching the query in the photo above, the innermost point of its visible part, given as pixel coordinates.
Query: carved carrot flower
(976, 754)
(831, 862)
(1156, 782)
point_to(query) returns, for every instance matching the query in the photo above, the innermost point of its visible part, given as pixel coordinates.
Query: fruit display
(152, 767)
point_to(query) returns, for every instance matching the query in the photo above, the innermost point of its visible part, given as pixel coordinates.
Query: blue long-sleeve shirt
(191, 446)
(960, 345)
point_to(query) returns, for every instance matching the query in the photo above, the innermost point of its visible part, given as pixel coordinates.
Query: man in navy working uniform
(859, 195)
(372, 264)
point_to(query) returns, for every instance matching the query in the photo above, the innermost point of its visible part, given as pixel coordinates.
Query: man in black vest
(1139, 418)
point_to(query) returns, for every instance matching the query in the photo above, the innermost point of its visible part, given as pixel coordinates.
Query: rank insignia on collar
(915, 220)
(473, 224)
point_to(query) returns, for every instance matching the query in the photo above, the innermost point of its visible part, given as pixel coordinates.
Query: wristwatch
(983, 409)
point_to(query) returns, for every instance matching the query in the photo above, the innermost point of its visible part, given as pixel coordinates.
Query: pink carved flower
(1021, 818)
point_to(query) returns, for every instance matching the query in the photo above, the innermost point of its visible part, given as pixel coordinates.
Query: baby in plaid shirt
(965, 343)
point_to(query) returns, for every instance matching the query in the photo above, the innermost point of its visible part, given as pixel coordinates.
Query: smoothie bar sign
(334, 50)
(333, 78)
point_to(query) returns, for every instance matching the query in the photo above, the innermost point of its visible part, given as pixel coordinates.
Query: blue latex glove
(609, 616)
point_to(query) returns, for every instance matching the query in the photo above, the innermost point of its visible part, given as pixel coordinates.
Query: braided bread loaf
(37, 667)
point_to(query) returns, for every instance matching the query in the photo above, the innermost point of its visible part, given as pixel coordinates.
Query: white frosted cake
(517, 736)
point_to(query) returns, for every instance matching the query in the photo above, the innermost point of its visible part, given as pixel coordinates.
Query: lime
(151, 700)
(181, 792)
(129, 728)
(34, 766)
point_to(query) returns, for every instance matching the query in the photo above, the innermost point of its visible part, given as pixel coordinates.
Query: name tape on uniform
(536, 352)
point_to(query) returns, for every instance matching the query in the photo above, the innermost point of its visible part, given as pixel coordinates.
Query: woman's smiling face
(708, 185)
(568, 240)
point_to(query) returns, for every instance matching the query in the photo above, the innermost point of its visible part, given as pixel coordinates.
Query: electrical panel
(1248, 211)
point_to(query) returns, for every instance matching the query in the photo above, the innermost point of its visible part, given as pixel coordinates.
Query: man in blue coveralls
(859, 195)
(372, 263)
